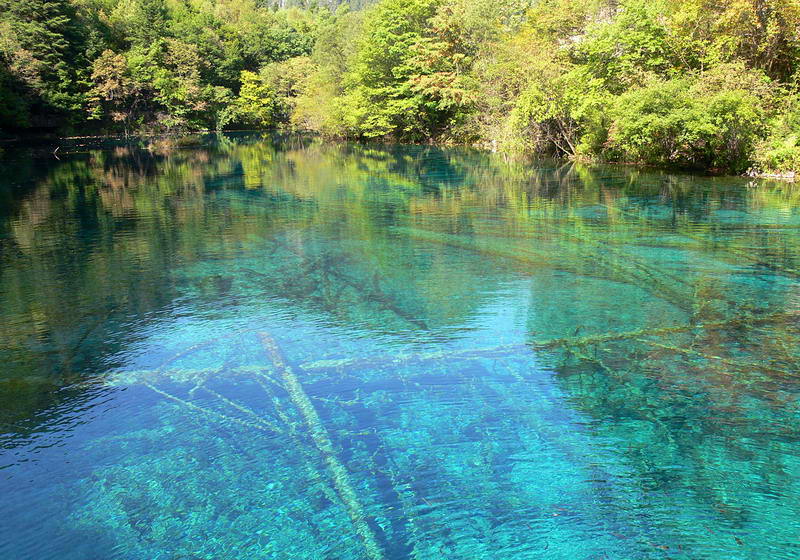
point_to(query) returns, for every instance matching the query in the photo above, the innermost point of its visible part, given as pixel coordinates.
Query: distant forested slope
(692, 83)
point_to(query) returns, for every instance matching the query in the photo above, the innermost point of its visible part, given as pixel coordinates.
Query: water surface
(250, 347)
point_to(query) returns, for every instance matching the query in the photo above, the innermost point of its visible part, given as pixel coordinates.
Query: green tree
(384, 101)
(114, 94)
(41, 49)
(762, 33)
(627, 50)
(257, 104)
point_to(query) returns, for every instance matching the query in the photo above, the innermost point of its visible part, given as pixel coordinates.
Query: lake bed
(260, 347)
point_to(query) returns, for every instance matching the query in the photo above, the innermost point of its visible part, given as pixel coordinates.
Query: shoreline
(487, 147)
(788, 176)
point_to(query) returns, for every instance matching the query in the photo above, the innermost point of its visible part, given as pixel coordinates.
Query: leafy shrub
(564, 115)
(711, 121)
(779, 152)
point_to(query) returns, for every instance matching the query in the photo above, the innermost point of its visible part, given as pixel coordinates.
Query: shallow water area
(249, 346)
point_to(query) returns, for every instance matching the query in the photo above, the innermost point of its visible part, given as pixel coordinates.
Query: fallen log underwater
(321, 451)
(588, 265)
(322, 441)
(313, 438)
(186, 375)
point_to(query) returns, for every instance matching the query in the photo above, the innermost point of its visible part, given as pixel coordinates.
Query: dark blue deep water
(243, 347)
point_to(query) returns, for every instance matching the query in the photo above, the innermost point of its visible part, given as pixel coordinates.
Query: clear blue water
(246, 347)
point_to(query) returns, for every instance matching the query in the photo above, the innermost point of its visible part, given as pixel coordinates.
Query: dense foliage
(691, 83)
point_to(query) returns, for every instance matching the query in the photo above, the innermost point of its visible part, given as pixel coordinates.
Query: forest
(698, 84)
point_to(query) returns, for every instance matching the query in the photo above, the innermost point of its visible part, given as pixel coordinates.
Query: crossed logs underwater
(282, 376)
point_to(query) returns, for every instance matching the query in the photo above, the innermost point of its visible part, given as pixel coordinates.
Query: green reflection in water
(484, 359)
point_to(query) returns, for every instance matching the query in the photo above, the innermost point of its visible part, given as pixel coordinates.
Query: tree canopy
(690, 83)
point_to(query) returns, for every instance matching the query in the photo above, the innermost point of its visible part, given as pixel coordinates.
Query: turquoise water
(246, 347)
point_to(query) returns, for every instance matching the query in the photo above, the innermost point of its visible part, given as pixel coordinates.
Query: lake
(245, 346)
